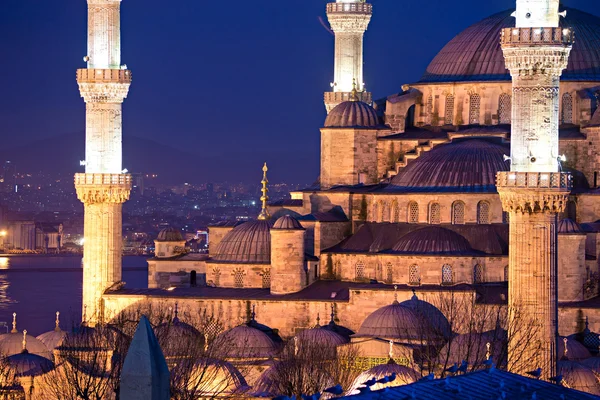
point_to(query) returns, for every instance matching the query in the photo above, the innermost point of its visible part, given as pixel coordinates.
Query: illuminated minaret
(104, 186)
(349, 20)
(535, 190)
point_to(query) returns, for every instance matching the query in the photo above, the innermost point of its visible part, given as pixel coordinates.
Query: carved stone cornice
(104, 85)
(349, 23)
(103, 188)
(533, 192)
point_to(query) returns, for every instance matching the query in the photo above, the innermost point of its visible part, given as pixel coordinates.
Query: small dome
(245, 342)
(169, 234)
(339, 329)
(287, 222)
(52, 339)
(249, 242)
(432, 240)
(12, 343)
(593, 363)
(579, 377)
(463, 165)
(472, 347)
(175, 336)
(320, 337)
(575, 350)
(404, 376)
(431, 314)
(352, 114)
(569, 227)
(28, 364)
(396, 321)
(216, 378)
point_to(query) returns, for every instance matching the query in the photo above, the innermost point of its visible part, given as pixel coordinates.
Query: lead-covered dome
(475, 53)
(464, 165)
(244, 342)
(404, 376)
(287, 222)
(352, 114)
(432, 240)
(569, 227)
(249, 242)
(169, 234)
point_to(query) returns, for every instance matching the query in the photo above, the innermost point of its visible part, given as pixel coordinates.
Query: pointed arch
(435, 213)
(478, 274)
(447, 275)
(449, 110)
(483, 212)
(413, 213)
(474, 108)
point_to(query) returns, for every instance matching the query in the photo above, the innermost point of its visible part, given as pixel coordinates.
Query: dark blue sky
(239, 81)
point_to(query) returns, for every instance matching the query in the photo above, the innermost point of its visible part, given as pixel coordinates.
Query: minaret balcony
(88, 75)
(102, 179)
(537, 37)
(534, 180)
(349, 8)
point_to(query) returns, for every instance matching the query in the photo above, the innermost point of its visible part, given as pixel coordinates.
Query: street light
(2, 233)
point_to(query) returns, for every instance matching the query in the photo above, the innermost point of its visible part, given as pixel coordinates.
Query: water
(35, 287)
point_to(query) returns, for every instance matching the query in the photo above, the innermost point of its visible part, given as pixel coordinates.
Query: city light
(3, 233)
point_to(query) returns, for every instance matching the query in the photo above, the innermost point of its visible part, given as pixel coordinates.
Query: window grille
(458, 213)
(266, 279)
(474, 108)
(379, 272)
(375, 212)
(449, 111)
(360, 270)
(506, 273)
(567, 108)
(383, 206)
(238, 278)
(477, 274)
(447, 277)
(413, 212)
(483, 212)
(434, 213)
(396, 212)
(390, 273)
(504, 108)
(429, 110)
(414, 276)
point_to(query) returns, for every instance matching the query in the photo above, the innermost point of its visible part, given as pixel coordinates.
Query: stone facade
(288, 273)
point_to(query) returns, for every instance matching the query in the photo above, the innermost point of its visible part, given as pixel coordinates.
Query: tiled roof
(475, 53)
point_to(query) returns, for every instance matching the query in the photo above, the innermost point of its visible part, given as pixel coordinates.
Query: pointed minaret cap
(57, 327)
(145, 375)
(14, 323)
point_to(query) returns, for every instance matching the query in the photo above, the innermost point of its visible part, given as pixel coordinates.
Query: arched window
(474, 108)
(360, 270)
(567, 109)
(504, 108)
(395, 212)
(238, 278)
(266, 279)
(413, 213)
(506, 273)
(389, 273)
(458, 213)
(375, 212)
(379, 272)
(429, 110)
(449, 110)
(217, 276)
(414, 275)
(193, 278)
(434, 213)
(483, 212)
(447, 278)
(478, 274)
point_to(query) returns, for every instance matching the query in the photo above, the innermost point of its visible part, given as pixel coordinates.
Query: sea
(36, 287)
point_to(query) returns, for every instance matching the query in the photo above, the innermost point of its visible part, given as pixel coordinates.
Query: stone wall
(238, 275)
(174, 273)
(287, 261)
(216, 234)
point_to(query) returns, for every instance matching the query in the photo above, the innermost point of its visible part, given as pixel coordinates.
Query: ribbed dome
(472, 347)
(52, 339)
(569, 227)
(352, 114)
(216, 378)
(575, 350)
(398, 322)
(432, 240)
(12, 343)
(28, 364)
(245, 342)
(577, 376)
(321, 338)
(287, 222)
(431, 314)
(175, 337)
(465, 165)
(404, 376)
(169, 235)
(249, 242)
(475, 53)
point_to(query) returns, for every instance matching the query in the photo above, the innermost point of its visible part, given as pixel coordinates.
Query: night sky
(235, 81)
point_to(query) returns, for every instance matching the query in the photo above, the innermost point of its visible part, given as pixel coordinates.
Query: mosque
(478, 183)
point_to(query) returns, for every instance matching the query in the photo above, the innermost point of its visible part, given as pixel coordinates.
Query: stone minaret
(349, 20)
(104, 186)
(535, 190)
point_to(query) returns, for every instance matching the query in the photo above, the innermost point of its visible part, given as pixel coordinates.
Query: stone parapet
(519, 37)
(103, 188)
(332, 99)
(103, 85)
(534, 192)
(349, 8)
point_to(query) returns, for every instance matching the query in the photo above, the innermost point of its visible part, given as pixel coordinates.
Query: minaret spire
(537, 14)
(349, 20)
(264, 212)
(105, 185)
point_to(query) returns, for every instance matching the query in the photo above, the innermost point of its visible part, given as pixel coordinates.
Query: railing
(103, 179)
(557, 180)
(339, 97)
(104, 75)
(537, 36)
(362, 8)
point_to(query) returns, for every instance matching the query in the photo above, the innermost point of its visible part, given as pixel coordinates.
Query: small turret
(288, 273)
(169, 243)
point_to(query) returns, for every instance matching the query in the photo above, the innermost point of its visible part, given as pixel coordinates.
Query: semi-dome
(287, 222)
(464, 165)
(249, 242)
(352, 114)
(169, 234)
(432, 240)
(475, 53)
(244, 342)
(569, 227)
(404, 376)
(431, 314)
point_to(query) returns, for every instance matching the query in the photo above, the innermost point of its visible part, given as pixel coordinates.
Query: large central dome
(475, 53)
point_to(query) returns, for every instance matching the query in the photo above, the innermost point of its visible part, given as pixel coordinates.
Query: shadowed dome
(431, 314)
(28, 364)
(169, 234)
(578, 376)
(12, 343)
(175, 336)
(432, 240)
(465, 165)
(249, 242)
(352, 114)
(210, 378)
(575, 350)
(245, 342)
(475, 53)
(569, 227)
(287, 222)
(404, 376)
(321, 338)
(52, 339)
(472, 347)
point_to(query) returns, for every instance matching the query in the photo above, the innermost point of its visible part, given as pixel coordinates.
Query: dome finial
(332, 322)
(14, 329)
(176, 316)
(354, 92)
(318, 325)
(25, 341)
(205, 341)
(391, 353)
(395, 294)
(565, 341)
(414, 296)
(84, 317)
(57, 327)
(296, 345)
(264, 213)
(488, 353)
